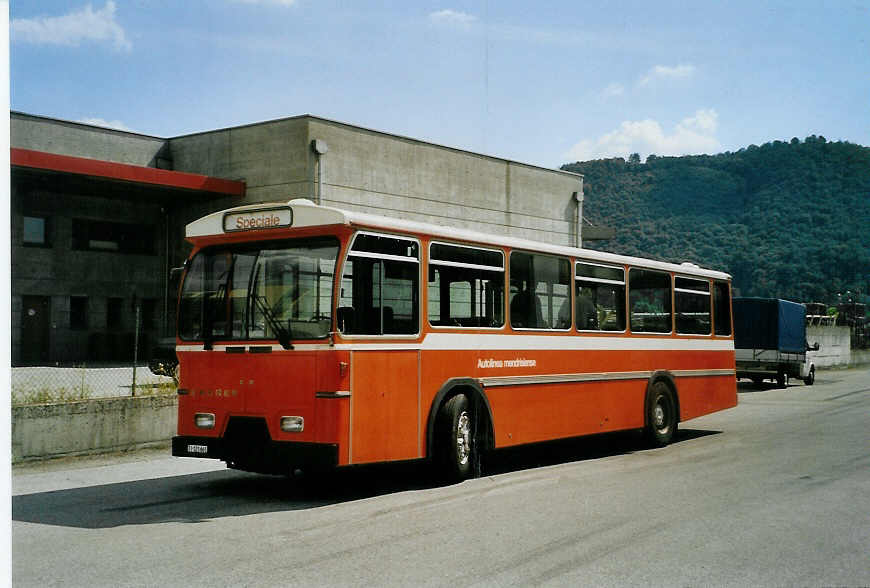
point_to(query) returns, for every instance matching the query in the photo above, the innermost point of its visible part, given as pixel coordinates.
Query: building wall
(384, 174)
(80, 140)
(396, 176)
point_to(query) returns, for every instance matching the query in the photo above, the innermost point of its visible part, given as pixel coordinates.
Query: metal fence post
(135, 349)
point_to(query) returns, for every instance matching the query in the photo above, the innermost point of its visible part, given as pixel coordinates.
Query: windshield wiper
(282, 334)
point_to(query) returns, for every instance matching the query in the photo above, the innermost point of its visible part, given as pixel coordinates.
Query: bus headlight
(204, 420)
(292, 424)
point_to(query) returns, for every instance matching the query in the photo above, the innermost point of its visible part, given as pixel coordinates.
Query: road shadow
(201, 497)
(552, 453)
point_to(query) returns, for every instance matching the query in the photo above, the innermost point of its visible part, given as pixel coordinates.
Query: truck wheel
(811, 377)
(782, 380)
(661, 416)
(756, 381)
(457, 442)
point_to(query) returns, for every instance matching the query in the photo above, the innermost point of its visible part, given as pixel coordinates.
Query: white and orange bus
(313, 337)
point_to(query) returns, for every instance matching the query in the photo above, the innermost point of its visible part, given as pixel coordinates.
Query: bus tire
(661, 415)
(457, 439)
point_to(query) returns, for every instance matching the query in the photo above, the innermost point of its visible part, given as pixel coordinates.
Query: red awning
(123, 172)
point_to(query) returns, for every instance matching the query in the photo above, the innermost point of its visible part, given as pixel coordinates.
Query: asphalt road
(773, 492)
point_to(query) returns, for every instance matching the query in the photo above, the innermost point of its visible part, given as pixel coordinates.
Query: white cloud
(72, 29)
(109, 124)
(665, 72)
(613, 90)
(453, 18)
(692, 135)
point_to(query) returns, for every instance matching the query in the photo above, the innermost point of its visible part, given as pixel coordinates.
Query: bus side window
(466, 286)
(600, 295)
(543, 285)
(649, 294)
(692, 306)
(380, 287)
(721, 309)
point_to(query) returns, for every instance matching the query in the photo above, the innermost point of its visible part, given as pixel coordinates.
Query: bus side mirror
(175, 273)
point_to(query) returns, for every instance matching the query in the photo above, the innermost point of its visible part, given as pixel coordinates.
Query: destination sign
(254, 220)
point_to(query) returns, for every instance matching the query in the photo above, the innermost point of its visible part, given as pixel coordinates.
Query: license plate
(197, 448)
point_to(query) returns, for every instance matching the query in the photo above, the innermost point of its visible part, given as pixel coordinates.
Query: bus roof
(302, 212)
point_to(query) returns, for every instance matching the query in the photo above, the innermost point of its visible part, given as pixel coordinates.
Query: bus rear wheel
(661, 416)
(457, 439)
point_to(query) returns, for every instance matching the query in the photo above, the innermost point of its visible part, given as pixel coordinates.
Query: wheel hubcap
(659, 416)
(463, 438)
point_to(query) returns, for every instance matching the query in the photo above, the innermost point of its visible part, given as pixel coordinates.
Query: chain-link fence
(32, 385)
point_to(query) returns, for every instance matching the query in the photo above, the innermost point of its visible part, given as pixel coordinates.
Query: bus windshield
(272, 290)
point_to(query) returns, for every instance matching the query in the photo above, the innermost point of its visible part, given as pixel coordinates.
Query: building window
(35, 231)
(78, 313)
(92, 235)
(149, 314)
(113, 313)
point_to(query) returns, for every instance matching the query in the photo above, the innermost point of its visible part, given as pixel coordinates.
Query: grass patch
(46, 395)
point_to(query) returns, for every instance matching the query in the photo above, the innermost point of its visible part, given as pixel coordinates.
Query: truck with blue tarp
(770, 341)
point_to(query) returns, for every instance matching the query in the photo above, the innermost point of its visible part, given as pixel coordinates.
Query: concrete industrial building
(98, 215)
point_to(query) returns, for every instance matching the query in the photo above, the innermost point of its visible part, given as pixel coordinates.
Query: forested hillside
(787, 219)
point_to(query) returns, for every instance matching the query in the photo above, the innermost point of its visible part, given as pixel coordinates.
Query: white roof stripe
(307, 214)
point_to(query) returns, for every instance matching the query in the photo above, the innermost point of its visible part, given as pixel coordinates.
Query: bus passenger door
(384, 405)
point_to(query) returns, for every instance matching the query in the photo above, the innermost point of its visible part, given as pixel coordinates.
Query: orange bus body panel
(385, 406)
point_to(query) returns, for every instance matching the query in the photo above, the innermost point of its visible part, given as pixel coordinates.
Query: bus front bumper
(273, 457)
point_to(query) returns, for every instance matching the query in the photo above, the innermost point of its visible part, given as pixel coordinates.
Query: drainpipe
(320, 148)
(578, 196)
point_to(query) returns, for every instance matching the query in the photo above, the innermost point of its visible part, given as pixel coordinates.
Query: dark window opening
(148, 314)
(78, 313)
(113, 313)
(92, 235)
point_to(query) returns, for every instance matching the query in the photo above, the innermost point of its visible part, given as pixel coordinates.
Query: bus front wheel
(457, 441)
(661, 415)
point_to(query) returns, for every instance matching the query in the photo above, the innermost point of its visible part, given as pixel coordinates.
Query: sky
(545, 83)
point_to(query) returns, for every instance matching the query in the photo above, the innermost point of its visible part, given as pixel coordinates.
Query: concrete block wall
(834, 345)
(91, 426)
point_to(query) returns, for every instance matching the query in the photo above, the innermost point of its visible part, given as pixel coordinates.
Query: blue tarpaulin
(770, 323)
